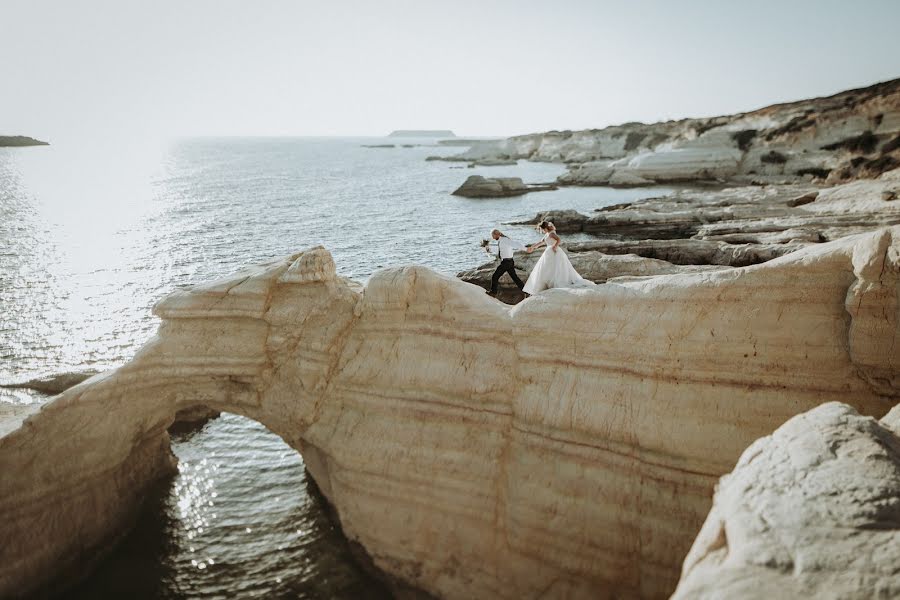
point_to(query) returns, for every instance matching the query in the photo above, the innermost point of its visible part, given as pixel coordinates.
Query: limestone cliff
(850, 135)
(564, 447)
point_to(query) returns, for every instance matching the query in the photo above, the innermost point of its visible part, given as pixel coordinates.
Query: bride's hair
(547, 226)
(497, 231)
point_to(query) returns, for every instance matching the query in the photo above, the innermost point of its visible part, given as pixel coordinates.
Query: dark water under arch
(239, 519)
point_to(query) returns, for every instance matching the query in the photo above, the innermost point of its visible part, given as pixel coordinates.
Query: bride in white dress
(553, 269)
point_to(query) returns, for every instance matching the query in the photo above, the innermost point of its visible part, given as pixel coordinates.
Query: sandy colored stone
(564, 447)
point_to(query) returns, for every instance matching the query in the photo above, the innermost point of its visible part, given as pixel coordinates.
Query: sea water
(91, 237)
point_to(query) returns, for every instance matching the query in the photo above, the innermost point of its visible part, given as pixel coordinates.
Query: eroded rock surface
(811, 511)
(851, 135)
(814, 214)
(564, 447)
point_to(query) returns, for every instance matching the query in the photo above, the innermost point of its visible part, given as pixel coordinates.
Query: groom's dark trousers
(506, 266)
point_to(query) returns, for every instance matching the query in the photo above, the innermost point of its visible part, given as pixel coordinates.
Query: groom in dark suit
(505, 249)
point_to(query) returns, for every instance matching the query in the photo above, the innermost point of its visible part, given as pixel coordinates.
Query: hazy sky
(263, 67)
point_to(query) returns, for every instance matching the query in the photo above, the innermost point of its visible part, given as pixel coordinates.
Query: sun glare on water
(76, 240)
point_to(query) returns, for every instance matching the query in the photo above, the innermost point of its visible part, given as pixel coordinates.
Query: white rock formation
(757, 214)
(682, 164)
(564, 447)
(811, 511)
(850, 135)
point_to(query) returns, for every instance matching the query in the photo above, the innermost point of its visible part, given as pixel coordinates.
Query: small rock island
(12, 141)
(477, 186)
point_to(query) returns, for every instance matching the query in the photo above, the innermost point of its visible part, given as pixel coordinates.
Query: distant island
(433, 133)
(20, 140)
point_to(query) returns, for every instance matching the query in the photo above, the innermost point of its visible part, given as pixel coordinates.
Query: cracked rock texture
(811, 511)
(564, 447)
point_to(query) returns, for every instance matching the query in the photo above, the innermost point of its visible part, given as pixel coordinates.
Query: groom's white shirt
(508, 247)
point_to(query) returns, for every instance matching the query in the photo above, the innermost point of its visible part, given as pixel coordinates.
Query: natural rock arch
(101, 443)
(567, 445)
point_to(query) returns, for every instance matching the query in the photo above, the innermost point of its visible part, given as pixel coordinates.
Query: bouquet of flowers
(485, 243)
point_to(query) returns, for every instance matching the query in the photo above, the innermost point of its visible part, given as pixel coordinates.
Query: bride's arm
(536, 245)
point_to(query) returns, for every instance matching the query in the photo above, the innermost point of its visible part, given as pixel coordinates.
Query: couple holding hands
(553, 269)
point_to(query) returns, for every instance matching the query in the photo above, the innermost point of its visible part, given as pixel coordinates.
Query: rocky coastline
(717, 419)
(851, 135)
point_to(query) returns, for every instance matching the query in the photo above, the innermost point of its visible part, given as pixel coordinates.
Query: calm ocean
(90, 239)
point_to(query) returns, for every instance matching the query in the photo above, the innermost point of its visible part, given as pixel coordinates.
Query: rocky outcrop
(492, 162)
(565, 447)
(477, 186)
(53, 384)
(478, 162)
(850, 135)
(811, 511)
(760, 214)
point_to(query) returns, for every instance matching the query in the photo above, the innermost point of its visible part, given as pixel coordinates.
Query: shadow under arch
(241, 517)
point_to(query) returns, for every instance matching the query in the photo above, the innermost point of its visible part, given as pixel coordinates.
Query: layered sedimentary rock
(853, 134)
(811, 511)
(564, 447)
(754, 212)
(190, 417)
